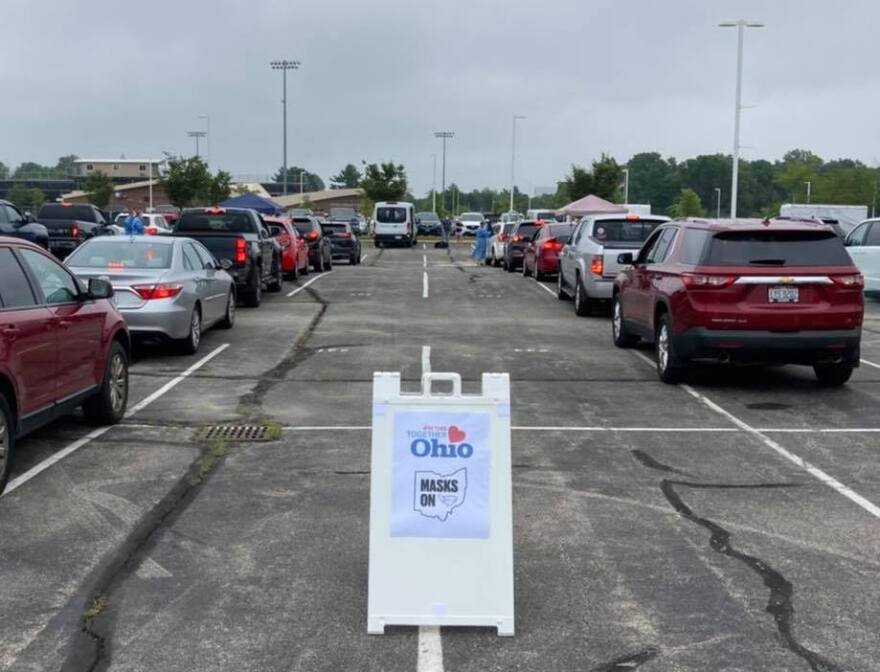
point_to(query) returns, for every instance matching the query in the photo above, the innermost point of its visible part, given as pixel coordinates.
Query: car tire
(669, 367)
(525, 269)
(305, 269)
(7, 440)
(582, 303)
(277, 283)
(352, 260)
(328, 265)
(619, 335)
(561, 294)
(293, 276)
(254, 296)
(833, 375)
(319, 264)
(508, 266)
(190, 344)
(538, 275)
(228, 320)
(107, 406)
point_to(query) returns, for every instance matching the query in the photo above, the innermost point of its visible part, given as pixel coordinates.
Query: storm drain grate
(234, 433)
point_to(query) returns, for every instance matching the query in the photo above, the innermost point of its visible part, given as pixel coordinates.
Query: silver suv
(588, 264)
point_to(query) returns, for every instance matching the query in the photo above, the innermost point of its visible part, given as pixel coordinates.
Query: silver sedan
(165, 287)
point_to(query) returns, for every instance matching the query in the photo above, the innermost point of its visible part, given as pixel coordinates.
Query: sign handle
(428, 380)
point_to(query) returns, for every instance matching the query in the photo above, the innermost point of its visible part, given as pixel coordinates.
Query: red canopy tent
(591, 205)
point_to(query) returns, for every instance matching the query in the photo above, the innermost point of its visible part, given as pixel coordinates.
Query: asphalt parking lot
(730, 523)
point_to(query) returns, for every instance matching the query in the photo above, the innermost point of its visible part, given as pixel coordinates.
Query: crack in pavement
(629, 662)
(780, 604)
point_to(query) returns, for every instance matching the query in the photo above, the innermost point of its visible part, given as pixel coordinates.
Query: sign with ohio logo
(440, 475)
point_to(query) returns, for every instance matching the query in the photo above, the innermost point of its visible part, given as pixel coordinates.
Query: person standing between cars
(133, 224)
(483, 234)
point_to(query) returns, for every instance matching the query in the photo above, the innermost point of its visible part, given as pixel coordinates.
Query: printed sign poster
(440, 475)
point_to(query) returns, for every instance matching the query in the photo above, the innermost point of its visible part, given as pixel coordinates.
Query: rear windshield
(623, 230)
(547, 215)
(120, 255)
(428, 217)
(471, 217)
(562, 232)
(275, 229)
(226, 222)
(391, 215)
(527, 230)
(303, 225)
(774, 248)
(57, 211)
(331, 229)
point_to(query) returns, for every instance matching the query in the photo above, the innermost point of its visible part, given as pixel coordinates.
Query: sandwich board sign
(441, 521)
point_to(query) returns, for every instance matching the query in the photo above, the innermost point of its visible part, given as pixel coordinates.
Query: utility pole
(434, 185)
(444, 135)
(284, 66)
(196, 135)
(717, 202)
(626, 186)
(809, 191)
(513, 160)
(207, 118)
(741, 26)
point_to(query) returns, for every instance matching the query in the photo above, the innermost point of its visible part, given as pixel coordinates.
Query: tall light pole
(196, 135)
(626, 186)
(284, 66)
(741, 26)
(434, 185)
(445, 135)
(809, 191)
(717, 202)
(207, 118)
(516, 117)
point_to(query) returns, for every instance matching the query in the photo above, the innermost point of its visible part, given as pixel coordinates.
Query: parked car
(863, 245)
(344, 242)
(541, 256)
(395, 224)
(300, 212)
(742, 291)
(13, 223)
(294, 250)
(171, 213)
(62, 345)
(469, 222)
(497, 246)
(155, 224)
(429, 224)
(588, 264)
(166, 287)
(543, 214)
(320, 248)
(517, 242)
(239, 235)
(70, 225)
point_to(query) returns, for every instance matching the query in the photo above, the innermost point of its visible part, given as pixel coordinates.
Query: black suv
(344, 243)
(320, 247)
(17, 225)
(517, 243)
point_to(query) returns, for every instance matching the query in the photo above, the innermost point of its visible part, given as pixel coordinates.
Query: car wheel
(539, 276)
(108, 405)
(305, 269)
(254, 296)
(319, 264)
(294, 274)
(560, 287)
(228, 320)
(669, 367)
(525, 269)
(190, 344)
(328, 265)
(833, 375)
(277, 283)
(508, 266)
(7, 440)
(582, 303)
(619, 334)
(352, 260)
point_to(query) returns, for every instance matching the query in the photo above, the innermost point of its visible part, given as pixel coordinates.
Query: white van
(395, 224)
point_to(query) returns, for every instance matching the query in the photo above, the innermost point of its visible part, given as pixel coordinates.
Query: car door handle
(65, 323)
(9, 331)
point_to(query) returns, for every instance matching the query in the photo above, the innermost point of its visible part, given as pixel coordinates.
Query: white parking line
(425, 285)
(363, 258)
(596, 428)
(545, 287)
(426, 359)
(876, 366)
(424, 261)
(94, 434)
(811, 469)
(424, 246)
(301, 288)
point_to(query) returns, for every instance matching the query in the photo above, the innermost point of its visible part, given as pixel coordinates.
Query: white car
(470, 222)
(863, 245)
(498, 243)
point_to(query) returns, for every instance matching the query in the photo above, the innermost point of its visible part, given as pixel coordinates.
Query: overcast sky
(102, 78)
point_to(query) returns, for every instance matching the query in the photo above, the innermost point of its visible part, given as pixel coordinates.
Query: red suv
(61, 346)
(742, 291)
(541, 256)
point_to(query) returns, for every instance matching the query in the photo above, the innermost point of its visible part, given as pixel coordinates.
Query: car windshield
(624, 230)
(60, 211)
(332, 229)
(304, 225)
(527, 230)
(471, 217)
(121, 254)
(391, 215)
(775, 248)
(224, 222)
(428, 216)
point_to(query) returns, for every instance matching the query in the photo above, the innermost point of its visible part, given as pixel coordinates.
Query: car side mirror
(264, 233)
(29, 218)
(100, 289)
(226, 264)
(625, 259)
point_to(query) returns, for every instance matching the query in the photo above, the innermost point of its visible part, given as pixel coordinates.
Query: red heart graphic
(456, 435)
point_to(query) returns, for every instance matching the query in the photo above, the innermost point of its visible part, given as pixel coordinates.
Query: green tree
(607, 178)
(577, 184)
(31, 170)
(65, 165)
(687, 205)
(37, 198)
(20, 195)
(348, 178)
(4, 171)
(653, 180)
(384, 182)
(186, 180)
(218, 188)
(100, 188)
(310, 181)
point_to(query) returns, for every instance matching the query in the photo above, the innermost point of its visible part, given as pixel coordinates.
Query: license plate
(397, 237)
(783, 295)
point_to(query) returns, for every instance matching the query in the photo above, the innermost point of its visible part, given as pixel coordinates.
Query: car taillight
(701, 281)
(240, 251)
(854, 280)
(312, 235)
(345, 234)
(552, 245)
(597, 265)
(164, 290)
(501, 238)
(74, 231)
(515, 239)
(151, 230)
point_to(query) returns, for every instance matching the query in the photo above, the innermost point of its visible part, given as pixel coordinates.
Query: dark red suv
(61, 346)
(742, 291)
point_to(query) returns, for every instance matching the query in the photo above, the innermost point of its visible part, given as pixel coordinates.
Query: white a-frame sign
(441, 525)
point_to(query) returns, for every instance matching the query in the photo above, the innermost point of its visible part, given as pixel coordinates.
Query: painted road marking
(546, 288)
(530, 350)
(811, 469)
(301, 288)
(332, 350)
(424, 261)
(363, 258)
(425, 285)
(876, 366)
(426, 359)
(550, 428)
(430, 649)
(94, 434)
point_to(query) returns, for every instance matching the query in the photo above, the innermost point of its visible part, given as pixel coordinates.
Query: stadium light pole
(207, 118)
(434, 185)
(717, 202)
(516, 117)
(196, 135)
(809, 191)
(445, 135)
(626, 186)
(741, 26)
(284, 66)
